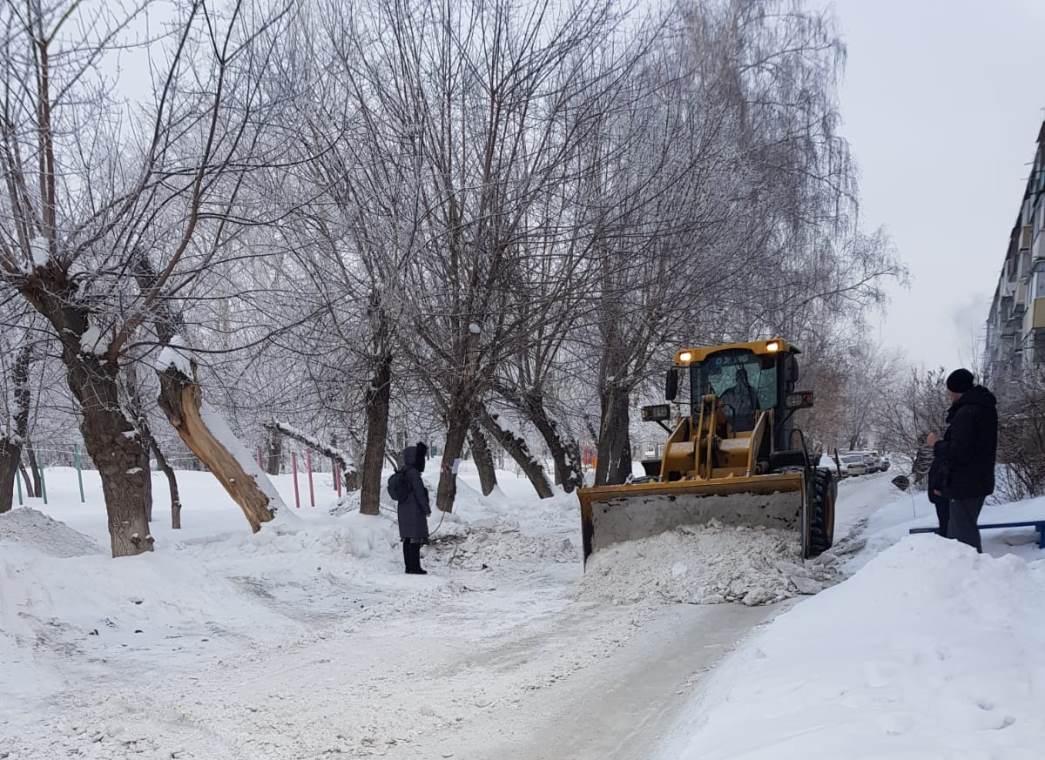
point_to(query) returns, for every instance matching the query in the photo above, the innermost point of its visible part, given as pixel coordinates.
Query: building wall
(1015, 335)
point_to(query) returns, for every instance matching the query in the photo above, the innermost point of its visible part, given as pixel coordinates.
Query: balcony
(1026, 236)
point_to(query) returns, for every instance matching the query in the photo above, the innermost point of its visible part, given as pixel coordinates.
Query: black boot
(413, 561)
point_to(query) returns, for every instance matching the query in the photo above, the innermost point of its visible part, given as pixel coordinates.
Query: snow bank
(68, 611)
(30, 528)
(892, 521)
(929, 651)
(706, 565)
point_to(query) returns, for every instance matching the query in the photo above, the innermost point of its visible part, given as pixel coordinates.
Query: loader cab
(747, 378)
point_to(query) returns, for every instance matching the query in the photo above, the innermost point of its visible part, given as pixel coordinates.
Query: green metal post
(79, 470)
(18, 482)
(43, 485)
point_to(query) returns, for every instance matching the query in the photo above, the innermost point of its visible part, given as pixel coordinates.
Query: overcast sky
(942, 103)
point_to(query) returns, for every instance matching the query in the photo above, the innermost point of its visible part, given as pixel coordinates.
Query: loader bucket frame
(612, 514)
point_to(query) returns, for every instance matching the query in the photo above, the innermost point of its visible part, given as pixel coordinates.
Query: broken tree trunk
(519, 451)
(483, 459)
(341, 460)
(209, 438)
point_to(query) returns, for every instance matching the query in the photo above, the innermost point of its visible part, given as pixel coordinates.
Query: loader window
(742, 380)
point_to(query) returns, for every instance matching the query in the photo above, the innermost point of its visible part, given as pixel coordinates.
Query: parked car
(852, 464)
(886, 464)
(871, 458)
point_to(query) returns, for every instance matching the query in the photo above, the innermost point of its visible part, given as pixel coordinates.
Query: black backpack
(397, 485)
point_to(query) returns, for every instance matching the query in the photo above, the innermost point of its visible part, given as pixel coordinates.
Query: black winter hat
(960, 381)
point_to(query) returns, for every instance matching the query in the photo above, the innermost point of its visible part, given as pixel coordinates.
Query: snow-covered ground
(928, 651)
(309, 642)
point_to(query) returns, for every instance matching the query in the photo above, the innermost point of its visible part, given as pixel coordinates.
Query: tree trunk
(10, 454)
(566, 454)
(614, 446)
(378, 401)
(483, 459)
(113, 446)
(148, 488)
(34, 468)
(29, 493)
(273, 451)
(11, 449)
(136, 408)
(172, 483)
(181, 400)
(457, 431)
(520, 452)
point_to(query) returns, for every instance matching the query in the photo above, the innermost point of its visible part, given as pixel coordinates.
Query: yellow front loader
(733, 455)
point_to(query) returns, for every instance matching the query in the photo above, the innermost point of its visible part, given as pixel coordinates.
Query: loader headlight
(773, 346)
(685, 357)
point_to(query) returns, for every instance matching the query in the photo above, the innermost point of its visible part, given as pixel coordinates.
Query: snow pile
(929, 651)
(30, 528)
(707, 564)
(488, 543)
(352, 534)
(67, 608)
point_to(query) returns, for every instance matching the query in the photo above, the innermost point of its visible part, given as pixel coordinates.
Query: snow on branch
(344, 462)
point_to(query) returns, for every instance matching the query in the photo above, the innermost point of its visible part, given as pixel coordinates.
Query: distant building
(1016, 323)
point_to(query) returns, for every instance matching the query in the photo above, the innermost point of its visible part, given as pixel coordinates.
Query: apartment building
(1016, 324)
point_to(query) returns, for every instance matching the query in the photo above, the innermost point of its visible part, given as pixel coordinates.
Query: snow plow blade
(611, 514)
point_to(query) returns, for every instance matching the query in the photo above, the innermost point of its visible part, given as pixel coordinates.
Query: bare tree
(87, 195)
(912, 407)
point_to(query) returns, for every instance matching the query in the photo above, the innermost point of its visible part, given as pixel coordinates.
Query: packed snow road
(497, 654)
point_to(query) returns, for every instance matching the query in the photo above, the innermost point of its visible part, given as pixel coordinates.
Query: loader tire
(822, 513)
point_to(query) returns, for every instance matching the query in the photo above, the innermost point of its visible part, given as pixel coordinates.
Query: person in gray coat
(413, 508)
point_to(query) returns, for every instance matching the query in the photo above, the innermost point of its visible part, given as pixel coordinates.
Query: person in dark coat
(967, 454)
(742, 400)
(413, 508)
(936, 482)
(928, 468)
